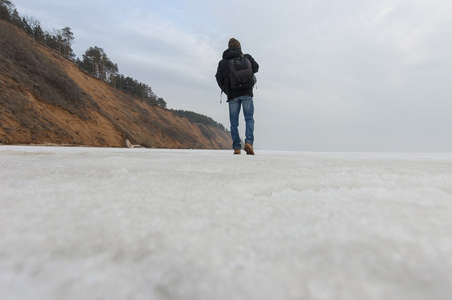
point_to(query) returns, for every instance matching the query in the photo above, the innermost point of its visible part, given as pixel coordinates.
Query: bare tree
(34, 27)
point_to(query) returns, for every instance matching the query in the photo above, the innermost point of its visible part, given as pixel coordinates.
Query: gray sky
(334, 75)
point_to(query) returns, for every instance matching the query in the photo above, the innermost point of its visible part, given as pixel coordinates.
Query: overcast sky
(334, 75)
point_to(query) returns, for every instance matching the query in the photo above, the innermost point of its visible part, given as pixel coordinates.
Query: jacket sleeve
(254, 64)
(219, 77)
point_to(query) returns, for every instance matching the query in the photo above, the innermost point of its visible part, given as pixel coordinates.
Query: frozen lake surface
(92, 223)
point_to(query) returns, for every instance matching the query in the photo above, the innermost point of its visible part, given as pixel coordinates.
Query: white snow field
(96, 223)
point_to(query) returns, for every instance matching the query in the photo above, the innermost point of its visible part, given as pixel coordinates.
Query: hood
(231, 53)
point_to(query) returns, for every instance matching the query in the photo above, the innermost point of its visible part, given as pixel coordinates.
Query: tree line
(94, 61)
(60, 40)
(198, 118)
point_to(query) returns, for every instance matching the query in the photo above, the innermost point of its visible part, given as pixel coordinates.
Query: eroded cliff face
(45, 98)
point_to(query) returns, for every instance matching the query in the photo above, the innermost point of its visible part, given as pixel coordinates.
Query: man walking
(235, 77)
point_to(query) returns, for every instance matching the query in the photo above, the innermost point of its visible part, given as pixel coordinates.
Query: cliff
(46, 99)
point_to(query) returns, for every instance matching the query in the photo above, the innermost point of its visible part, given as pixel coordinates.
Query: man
(238, 95)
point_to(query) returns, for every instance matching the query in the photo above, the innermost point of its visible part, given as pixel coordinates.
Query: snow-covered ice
(96, 223)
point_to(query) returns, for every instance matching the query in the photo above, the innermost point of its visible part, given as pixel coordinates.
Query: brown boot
(237, 152)
(249, 149)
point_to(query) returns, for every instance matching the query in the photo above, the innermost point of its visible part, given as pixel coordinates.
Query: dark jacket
(222, 75)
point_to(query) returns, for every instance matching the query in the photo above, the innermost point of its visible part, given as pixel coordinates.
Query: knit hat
(233, 43)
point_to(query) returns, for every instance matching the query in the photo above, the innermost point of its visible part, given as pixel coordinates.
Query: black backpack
(241, 74)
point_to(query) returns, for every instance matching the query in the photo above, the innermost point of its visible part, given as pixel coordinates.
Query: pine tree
(6, 9)
(67, 38)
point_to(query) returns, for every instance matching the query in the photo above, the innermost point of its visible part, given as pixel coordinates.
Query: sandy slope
(45, 98)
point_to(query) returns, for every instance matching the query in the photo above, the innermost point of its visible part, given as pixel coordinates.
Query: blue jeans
(248, 111)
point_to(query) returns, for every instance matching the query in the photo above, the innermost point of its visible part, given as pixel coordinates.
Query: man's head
(233, 43)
